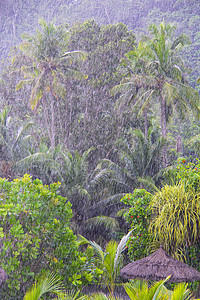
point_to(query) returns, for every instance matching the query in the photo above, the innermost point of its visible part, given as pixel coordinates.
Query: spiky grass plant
(177, 215)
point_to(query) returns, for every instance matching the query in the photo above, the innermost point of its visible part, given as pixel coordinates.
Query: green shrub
(189, 173)
(35, 236)
(138, 216)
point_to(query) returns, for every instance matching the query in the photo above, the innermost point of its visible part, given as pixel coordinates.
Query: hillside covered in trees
(103, 98)
(22, 16)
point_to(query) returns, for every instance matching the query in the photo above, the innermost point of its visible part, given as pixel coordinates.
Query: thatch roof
(3, 276)
(158, 266)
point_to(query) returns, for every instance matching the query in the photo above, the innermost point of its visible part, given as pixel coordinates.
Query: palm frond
(75, 54)
(21, 130)
(36, 93)
(48, 283)
(181, 292)
(114, 199)
(121, 88)
(32, 158)
(148, 183)
(121, 248)
(121, 212)
(108, 223)
(97, 248)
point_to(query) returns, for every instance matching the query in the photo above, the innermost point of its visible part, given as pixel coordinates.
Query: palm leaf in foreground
(49, 283)
(139, 290)
(181, 292)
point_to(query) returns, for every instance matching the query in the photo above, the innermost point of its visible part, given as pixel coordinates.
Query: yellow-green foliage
(176, 211)
(140, 290)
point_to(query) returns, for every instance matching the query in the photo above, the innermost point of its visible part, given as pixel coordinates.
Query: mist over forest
(17, 17)
(99, 106)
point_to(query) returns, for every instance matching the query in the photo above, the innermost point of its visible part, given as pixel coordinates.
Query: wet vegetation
(99, 136)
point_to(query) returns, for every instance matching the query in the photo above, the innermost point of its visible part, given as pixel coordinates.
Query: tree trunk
(46, 118)
(163, 122)
(145, 125)
(52, 121)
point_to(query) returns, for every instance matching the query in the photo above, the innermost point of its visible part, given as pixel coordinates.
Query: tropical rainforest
(99, 142)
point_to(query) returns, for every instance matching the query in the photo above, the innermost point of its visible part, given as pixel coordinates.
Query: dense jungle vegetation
(99, 135)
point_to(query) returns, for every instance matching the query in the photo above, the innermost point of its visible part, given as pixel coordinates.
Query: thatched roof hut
(158, 266)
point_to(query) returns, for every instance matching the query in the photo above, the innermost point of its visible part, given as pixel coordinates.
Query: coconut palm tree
(83, 187)
(139, 159)
(46, 66)
(165, 64)
(162, 75)
(132, 92)
(140, 156)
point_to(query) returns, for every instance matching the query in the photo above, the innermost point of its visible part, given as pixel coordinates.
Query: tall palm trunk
(163, 123)
(52, 121)
(46, 117)
(145, 125)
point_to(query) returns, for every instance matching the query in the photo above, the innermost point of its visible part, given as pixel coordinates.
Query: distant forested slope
(19, 16)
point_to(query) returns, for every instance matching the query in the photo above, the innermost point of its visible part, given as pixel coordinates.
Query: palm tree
(80, 184)
(139, 159)
(131, 91)
(41, 163)
(162, 76)
(139, 164)
(109, 259)
(165, 63)
(11, 141)
(142, 156)
(46, 66)
(88, 190)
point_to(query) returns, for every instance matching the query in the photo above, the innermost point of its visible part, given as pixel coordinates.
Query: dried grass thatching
(158, 266)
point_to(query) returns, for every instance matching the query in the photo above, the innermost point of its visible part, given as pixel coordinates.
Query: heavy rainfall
(99, 149)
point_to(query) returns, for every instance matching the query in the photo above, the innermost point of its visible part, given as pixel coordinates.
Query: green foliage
(158, 72)
(109, 260)
(138, 215)
(139, 290)
(189, 173)
(101, 296)
(35, 234)
(76, 114)
(177, 216)
(49, 283)
(52, 284)
(141, 156)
